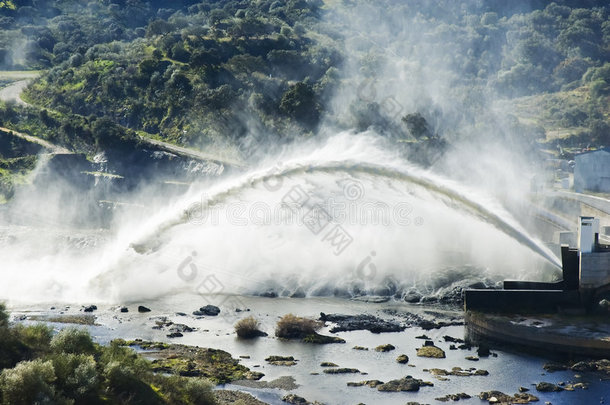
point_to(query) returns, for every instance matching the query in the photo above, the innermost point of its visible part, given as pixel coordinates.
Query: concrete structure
(586, 281)
(592, 171)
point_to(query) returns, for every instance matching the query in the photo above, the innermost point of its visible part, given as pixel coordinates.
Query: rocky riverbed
(393, 352)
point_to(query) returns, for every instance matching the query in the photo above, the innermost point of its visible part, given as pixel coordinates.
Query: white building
(592, 171)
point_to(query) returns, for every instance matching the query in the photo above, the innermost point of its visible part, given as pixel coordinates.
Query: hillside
(231, 78)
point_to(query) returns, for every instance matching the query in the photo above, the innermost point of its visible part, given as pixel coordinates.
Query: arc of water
(496, 217)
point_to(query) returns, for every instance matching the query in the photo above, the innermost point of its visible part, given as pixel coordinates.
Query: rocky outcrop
(407, 383)
(360, 322)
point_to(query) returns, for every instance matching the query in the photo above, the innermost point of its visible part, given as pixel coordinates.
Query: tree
(417, 125)
(299, 102)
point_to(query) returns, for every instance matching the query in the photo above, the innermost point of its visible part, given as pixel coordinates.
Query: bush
(190, 390)
(77, 375)
(36, 337)
(28, 383)
(248, 328)
(125, 382)
(3, 316)
(72, 340)
(296, 327)
(125, 359)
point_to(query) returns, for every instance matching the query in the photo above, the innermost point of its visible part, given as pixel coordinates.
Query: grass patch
(295, 327)
(248, 328)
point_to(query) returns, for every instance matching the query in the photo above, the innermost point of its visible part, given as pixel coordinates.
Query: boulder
(209, 310)
(407, 383)
(548, 387)
(431, 351)
(385, 348)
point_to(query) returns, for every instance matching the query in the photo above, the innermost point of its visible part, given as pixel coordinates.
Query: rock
(452, 347)
(286, 383)
(179, 327)
(90, 308)
(548, 387)
(427, 324)
(453, 397)
(385, 348)
(180, 314)
(523, 389)
(402, 359)
(412, 297)
(254, 375)
(175, 335)
(328, 364)
(472, 358)
(431, 351)
(190, 361)
(451, 339)
(251, 334)
(209, 310)
(600, 366)
(457, 371)
(407, 383)
(552, 367)
(524, 398)
(143, 309)
(370, 383)
(281, 360)
(425, 337)
(342, 370)
(483, 351)
(322, 339)
(124, 309)
(494, 397)
(360, 348)
(295, 399)
(269, 294)
(360, 322)
(428, 343)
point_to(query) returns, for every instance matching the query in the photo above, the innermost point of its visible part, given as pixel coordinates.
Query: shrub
(125, 360)
(77, 375)
(28, 383)
(3, 316)
(199, 391)
(36, 337)
(248, 328)
(127, 383)
(291, 326)
(72, 340)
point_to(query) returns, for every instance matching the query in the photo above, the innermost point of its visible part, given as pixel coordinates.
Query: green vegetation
(216, 365)
(200, 73)
(17, 158)
(69, 368)
(230, 75)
